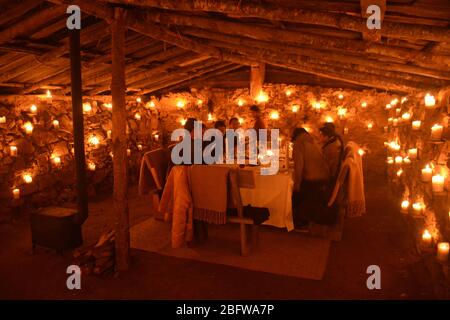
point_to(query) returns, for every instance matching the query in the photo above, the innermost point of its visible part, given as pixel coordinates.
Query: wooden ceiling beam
(275, 12)
(18, 10)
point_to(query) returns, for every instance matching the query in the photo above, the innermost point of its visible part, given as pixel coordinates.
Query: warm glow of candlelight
(404, 99)
(388, 106)
(94, 141)
(28, 127)
(128, 152)
(150, 104)
(56, 161)
(199, 102)
(108, 106)
(406, 116)
(364, 104)
(3, 119)
(436, 131)
(418, 207)
(274, 115)
(241, 120)
(295, 108)
(87, 107)
(399, 172)
(13, 151)
(390, 160)
(55, 124)
(393, 145)
(240, 102)
(412, 153)
(426, 237)
(370, 126)
(262, 97)
(48, 94)
(181, 103)
(91, 166)
(139, 146)
(210, 117)
(442, 251)
(33, 108)
(394, 102)
(27, 178)
(138, 99)
(156, 136)
(329, 119)
(342, 112)
(361, 152)
(288, 92)
(183, 121)
(438, 183)
(405, 206)
(317, 106)
(398, 159)
(427, 173)
(430, 101)
(16, 193)
(137, 116)
(416, 124)
(341, 96)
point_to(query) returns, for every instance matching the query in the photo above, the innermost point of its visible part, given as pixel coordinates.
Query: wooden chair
(241, 179)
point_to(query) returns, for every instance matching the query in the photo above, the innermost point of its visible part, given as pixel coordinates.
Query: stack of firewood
(98, 259)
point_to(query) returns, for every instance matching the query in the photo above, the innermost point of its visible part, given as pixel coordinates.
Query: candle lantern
(438, 183)
(16, 193)
(426, 238)
(427, 173)
(442, 251)
(436, 132)
(13, 151)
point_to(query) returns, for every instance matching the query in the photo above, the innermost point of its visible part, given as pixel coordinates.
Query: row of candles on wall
(427, 174)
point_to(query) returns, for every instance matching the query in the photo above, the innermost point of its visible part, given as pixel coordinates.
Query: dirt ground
(378, 238)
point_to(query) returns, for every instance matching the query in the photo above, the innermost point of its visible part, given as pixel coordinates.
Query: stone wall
(358, 115)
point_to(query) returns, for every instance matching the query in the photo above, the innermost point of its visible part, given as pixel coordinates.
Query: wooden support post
(119, 140)
(78, 125)
(257, 74)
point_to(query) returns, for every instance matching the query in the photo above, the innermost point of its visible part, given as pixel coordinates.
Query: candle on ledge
(28, 127)
(3, 119)
(416, 124)
(364, 104)
(55, 124)
(442, 251)
(16, 193)
(406, 116)
(436, 132)
(398, 160)
(33, 109)
(87, 107)
(27, 178)
(438, 183)
(418, 208)
(405, 206)
(430, 101)
(426, 238)
(369, 126)
(91, 166)
(412, 153)
(13, 151)
(388, 106)
(427, 173)
(137, 116)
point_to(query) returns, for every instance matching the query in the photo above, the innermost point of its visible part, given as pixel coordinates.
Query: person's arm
(297, 155)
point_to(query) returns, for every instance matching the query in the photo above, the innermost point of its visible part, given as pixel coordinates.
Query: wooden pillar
(257, 74)
(78, 126)
(119, 140)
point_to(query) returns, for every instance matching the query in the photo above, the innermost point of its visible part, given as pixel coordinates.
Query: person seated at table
(332, 149)
(311, 182)
(194, 136)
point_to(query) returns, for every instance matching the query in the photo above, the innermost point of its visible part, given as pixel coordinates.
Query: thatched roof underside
(176, 45)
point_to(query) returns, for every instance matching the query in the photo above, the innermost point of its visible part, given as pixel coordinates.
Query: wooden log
(326, 55)
(78, 126)
(257, 74)
(31, 23)
(119, 140)
(285, 36)
(275, 12)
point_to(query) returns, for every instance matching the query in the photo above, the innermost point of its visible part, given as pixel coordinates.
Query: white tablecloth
(273, 192)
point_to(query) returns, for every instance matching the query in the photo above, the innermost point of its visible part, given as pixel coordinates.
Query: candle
(416, 124)
(364, 104)
(404, 99)
(262, 97)
(274, 115)
(91, 166)
(16, 193)
(399, 172)
(394, 102)
(49, 94)
(341, 113)
(395, 122)
(436, 132)
(55, 124)
(150, 104)
(288, 93)
(406, 116)
(427, 173)
(108, 106)
(56, 161)
(361, 152)
(438, 183)
(329, 119)
(405, 206)
(13, 151)
(294, 108)
(28, 127)
(426, 237)
(442, 252)
(398, 111)
(406, 160)
(27, 178)
(398, 160)
(94, 141)
(388, 106)
(341, 96)
(139, 146)
(390, 121)
(430, 101)
(87, 107)
(418, 208)
(240, 102)
(369, 126)
(156, 136)
(33, 109)
(138, 99)
(137, 116)
(108, 134)
(128, 152)
(412, 153)
(317, 107)
(199, 102)
(390, 160)
(3, 119)
(345, 130)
